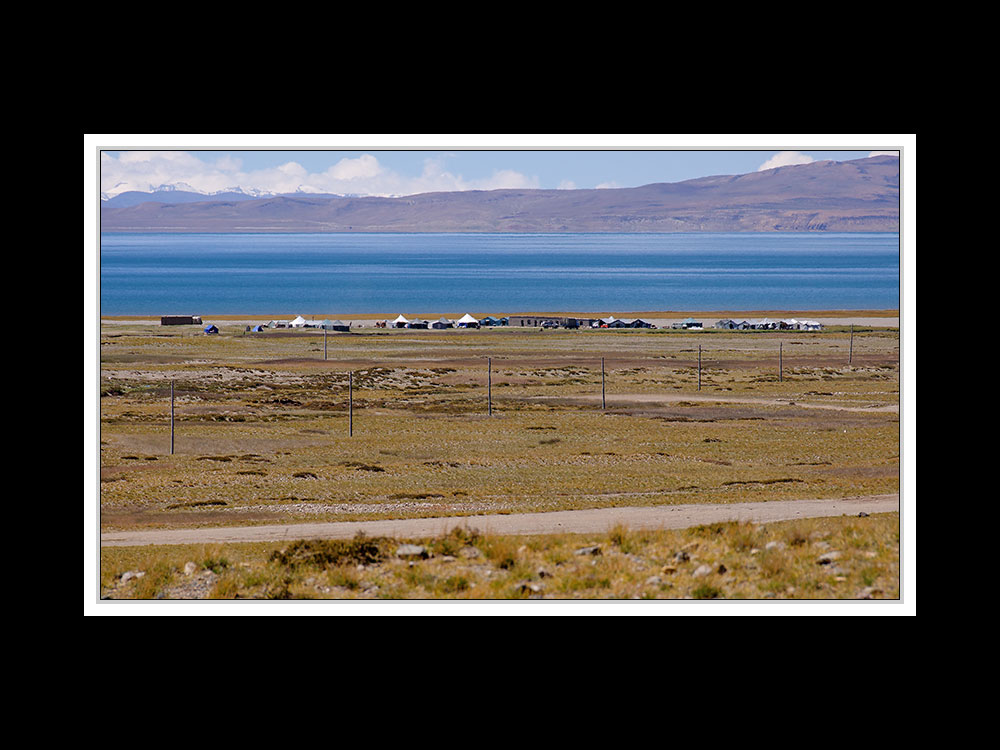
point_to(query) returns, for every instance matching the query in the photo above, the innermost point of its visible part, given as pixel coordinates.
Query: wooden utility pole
(489, 384)
(171, 417)
(699, 367)
(324, 343)
(780, 344)
(850, 356)
(350, 404)
(604, 403)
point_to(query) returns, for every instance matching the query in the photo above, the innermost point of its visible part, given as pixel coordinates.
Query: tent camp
(417, 323)
(467, 321)
(211, 329)
(442, 323)
(400, 322)
(257, 328)
(299, 322)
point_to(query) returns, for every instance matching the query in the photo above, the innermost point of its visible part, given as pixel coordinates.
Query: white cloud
(364, 175)
(884, 153)
(785, 159)
(365, 166)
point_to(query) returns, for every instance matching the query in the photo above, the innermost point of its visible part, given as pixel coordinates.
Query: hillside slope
(849, 196)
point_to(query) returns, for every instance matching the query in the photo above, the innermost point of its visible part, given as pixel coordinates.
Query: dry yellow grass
(815, 559)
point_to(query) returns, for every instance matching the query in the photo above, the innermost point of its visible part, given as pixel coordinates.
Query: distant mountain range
(861, 195)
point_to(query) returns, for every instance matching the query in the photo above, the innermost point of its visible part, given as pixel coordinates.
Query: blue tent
(258, 329)
(211, 329)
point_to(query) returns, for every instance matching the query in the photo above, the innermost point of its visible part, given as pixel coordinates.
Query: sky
(391, 167)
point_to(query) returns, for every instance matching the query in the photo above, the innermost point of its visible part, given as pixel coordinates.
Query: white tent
(467, 320)
(299, 322)
(399, 322)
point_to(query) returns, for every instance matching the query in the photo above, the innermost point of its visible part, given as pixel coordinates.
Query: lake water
(498, 274)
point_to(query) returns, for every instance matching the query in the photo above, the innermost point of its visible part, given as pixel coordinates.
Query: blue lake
(498, 274)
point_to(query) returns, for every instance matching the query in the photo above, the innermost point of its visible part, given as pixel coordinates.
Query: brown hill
(849, 196)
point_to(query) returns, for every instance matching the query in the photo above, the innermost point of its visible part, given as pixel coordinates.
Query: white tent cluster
(299, 322)
(466, 321)
(789, 324)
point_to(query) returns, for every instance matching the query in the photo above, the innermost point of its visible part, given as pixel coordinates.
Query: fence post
(350, 404)
(780, 344)
(324, 343)
(699, 367)
(850, 356)
(171, 417)
(489, 384)
(604, 403)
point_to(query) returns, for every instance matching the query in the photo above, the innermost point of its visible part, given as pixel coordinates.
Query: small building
(211, 329)
(811, 325)
(640, 323)
(441, 323)
(417, 323)
(726, 324)
(336, 325)
(180, 320)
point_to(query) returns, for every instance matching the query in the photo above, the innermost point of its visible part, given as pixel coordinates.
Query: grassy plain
(261, 421)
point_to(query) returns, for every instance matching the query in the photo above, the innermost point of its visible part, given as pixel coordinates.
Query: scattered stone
(528, 587)
(543, 573)
(190, 567)
(654, 581)
(411, 551)
(128, 575)
(448, 558)
(862, 514)
(470, 553)
(596, 550)
(774, 545)
(703, 570)
(828, 557)
(721, 570)
(821, 545)
(869, 592)
(668, 570)
(682, 556)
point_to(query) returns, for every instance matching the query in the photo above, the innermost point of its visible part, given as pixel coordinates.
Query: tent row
(300, 322)
(466, 321)
(790, 324)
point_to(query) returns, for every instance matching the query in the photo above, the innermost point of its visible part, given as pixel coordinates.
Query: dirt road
(666, 398)
(573, 521)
